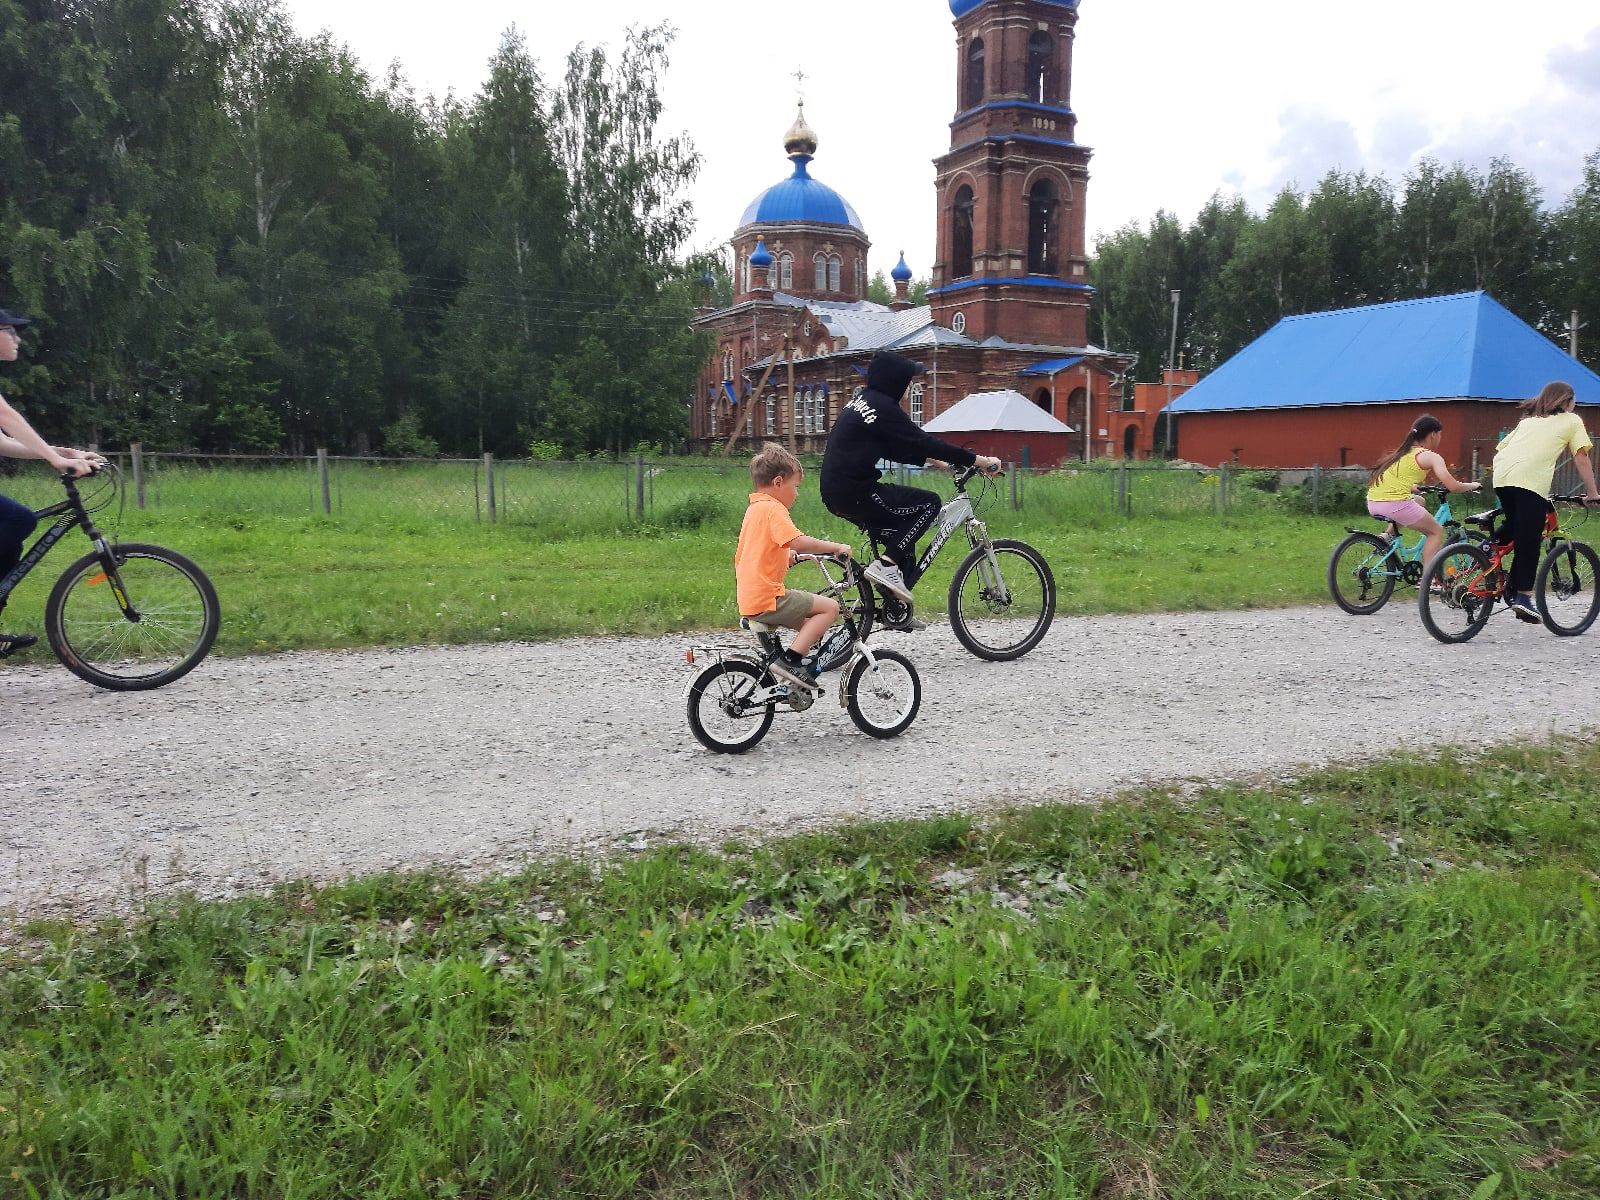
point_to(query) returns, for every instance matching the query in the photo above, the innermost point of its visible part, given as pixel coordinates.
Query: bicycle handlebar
(1572, 498)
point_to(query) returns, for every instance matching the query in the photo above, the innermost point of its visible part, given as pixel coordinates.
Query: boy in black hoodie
(873, 426)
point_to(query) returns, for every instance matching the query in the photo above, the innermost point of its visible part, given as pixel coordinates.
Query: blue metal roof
(1465, 346)
(800, 199)
(960, 8)
(1050, 366)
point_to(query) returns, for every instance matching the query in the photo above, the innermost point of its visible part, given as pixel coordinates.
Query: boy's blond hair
(771, 461)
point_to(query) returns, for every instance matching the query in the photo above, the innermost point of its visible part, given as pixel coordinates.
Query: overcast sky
(1178, 100)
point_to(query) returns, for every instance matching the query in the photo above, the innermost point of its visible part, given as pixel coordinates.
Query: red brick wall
(1341, 435)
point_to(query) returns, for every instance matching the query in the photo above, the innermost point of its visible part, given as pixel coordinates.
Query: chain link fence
(574, 498)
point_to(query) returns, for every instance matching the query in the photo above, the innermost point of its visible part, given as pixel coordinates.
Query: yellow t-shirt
(1396, 482)
(1528, 455)
(761, 559)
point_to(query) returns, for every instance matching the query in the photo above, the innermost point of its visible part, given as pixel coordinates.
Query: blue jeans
(16, 523)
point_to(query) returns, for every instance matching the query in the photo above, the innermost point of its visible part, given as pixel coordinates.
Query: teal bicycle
(1364, 568)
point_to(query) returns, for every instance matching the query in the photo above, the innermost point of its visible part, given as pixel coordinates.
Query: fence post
(1011, 473)
(1222, 488)
(137, 450)
(1122, 487)
(488, 484)
(322, 478)
(1316, 488)
(638, 484)
(477, 495)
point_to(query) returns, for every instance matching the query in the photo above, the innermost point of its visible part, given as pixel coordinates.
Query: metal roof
(802, 200)
(1465, 346)
(1051, 366)
(1004, 410)
(960, 8)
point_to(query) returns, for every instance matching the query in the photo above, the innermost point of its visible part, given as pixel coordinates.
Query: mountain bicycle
(1364, 568)
(127, 616)
(1002, 597)
(733, 699)
(1460, 586)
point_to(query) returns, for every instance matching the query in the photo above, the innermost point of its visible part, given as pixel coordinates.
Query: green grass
(1375, 983)
(383, 574)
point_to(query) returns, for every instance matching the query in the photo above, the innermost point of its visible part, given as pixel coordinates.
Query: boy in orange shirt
(768, 542)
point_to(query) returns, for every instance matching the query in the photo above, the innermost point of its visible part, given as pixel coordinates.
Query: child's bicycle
(127, 616)
(1460, 586)
(1364, 568)
(1002, 597)
(733, 698)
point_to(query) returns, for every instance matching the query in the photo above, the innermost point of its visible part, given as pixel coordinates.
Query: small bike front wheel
(720, 714)
(146, 622)
(1360, 575)
(1564, 588)
(883, 696)
(1457, 593)
(1002, 600)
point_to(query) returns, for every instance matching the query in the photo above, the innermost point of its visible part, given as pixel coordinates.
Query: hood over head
(891, 374)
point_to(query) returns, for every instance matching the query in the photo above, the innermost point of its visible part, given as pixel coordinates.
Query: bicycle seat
(755, 626)
(1484, 518)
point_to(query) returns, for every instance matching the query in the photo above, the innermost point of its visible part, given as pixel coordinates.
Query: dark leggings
(1525, 514)
(897, 516)
(16, 523)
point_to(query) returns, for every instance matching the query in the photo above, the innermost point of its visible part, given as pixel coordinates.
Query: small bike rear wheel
(1457, 593)
(1361, 574)
(175, 618)
(1002, 610)
(1564, 589)
(719, 713)
(883, 697)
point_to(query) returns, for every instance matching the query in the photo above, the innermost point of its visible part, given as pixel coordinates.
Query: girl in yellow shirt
(1392, 484)
(1524, 466)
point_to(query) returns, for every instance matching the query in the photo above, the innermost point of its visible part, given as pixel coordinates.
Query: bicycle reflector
(96, 579)
(688, 656)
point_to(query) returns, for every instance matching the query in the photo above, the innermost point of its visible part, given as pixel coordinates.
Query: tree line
(1353, 239)
(235, 239)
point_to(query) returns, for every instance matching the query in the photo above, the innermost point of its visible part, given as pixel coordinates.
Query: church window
(727, 364)
(916, 404)
(835, 269)
(961, 233)
(1042, 233)
(974, 92)
(1042, 399)
(1041, 87)
(785, 268)
(744, 273)
(820, 261)
(772, 414)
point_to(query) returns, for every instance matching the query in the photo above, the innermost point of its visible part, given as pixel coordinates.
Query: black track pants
(1525, 516)
(897, 516)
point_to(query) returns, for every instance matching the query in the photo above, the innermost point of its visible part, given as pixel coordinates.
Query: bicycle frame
(1399, 552)
(957, 513)
(69, 514)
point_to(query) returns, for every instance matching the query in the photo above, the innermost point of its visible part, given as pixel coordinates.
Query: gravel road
(321, 765)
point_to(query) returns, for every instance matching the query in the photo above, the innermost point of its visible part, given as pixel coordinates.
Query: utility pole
(1572, 328)
(1172, 356)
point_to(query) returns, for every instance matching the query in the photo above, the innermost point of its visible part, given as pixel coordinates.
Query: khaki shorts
(794, 606)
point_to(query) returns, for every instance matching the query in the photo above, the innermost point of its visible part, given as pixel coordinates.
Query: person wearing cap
(872, 427)
(18, 440)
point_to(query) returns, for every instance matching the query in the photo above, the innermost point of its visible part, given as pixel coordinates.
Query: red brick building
(1010, 300)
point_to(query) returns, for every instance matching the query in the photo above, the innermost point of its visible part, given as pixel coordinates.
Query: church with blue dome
(1009, 302)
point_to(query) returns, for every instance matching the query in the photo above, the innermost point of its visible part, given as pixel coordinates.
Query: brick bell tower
(1012, 258)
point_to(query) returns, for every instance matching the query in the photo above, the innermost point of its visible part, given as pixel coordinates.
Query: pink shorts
(1409, 513)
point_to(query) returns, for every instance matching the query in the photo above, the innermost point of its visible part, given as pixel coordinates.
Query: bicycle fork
(989, 572)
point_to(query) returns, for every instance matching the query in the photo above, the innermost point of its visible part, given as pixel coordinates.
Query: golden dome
(801, 138)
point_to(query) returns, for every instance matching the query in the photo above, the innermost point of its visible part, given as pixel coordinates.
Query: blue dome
(800, 199)
(901, 272)
(761, 256)
(960, 8)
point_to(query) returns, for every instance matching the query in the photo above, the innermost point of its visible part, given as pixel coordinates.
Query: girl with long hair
(1392, 484)
(1524, 467)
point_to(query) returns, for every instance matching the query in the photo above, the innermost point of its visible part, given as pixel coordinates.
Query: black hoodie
(873, 426)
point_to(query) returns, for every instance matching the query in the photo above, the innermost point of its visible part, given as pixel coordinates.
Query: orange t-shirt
(762, 557)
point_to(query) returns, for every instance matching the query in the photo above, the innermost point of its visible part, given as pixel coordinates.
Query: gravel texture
(321, 765)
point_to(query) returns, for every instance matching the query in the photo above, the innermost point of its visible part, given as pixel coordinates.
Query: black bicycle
(128, 615)
(1002, 598)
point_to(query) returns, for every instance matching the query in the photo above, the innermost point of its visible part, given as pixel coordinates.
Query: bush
(1337, 496)
(696, 510)
(405, 439)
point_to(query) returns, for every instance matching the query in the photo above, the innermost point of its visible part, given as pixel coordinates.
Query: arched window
(974, 93)
(785, 267)
(835, 271)
(820, 262)
(727, 364)
(961, 232)
(1042, 229)
(772, 414)
(744, 273)
(1042, 399)
(916, 404)
(1040, 83)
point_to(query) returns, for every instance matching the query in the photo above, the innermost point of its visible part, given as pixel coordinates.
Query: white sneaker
(889, 577)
